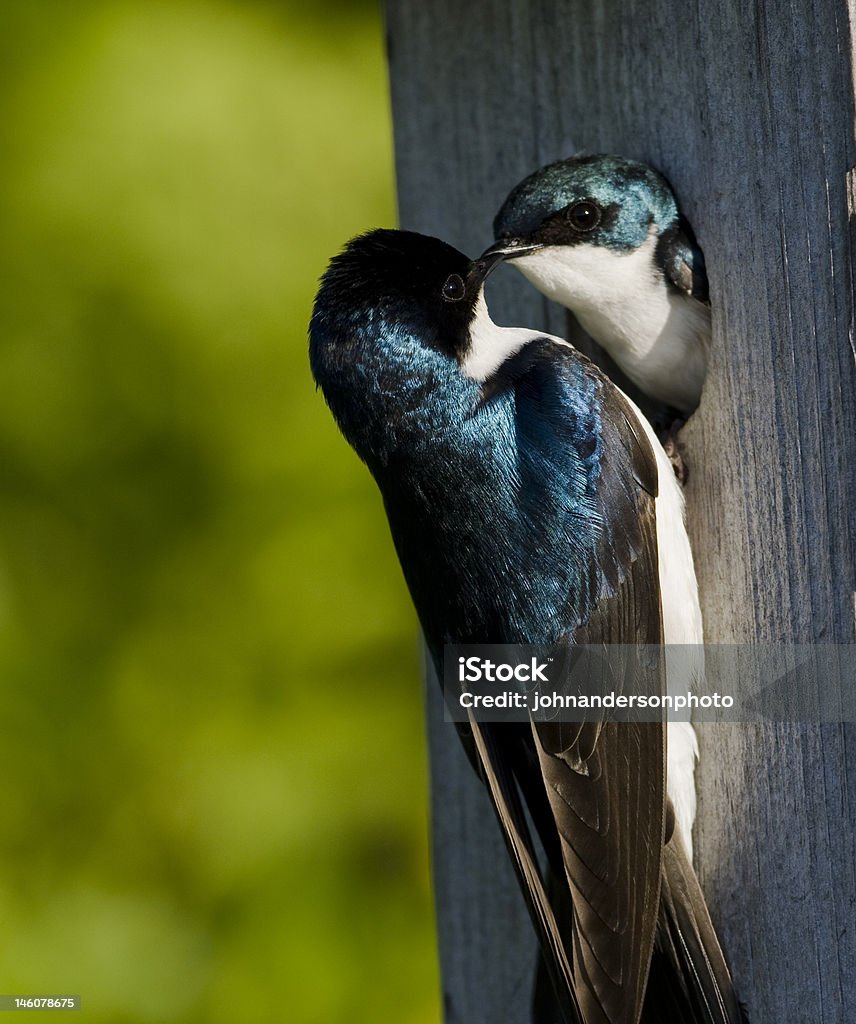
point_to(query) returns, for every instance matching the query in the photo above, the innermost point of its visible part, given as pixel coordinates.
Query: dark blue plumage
(493, 486)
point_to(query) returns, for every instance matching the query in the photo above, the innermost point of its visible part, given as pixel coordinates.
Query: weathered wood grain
(749, 111)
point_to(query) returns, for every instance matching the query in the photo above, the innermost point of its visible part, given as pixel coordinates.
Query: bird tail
(689, 981)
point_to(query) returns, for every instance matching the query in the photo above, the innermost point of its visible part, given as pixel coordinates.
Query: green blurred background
(213, 799)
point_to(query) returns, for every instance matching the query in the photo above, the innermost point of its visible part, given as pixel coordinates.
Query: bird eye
(454, 288)
(584, 216)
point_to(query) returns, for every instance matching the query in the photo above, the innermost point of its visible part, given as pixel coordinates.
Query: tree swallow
(529, 502)
(603, 237)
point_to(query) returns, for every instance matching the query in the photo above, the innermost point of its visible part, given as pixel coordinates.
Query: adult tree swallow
(529, 502)
(603, 237)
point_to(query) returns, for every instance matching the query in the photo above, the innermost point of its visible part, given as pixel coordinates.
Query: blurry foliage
(213, 800)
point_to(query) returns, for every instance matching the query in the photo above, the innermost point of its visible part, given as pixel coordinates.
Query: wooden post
(749, 110)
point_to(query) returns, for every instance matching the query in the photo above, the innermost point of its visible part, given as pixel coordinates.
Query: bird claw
(669, 440)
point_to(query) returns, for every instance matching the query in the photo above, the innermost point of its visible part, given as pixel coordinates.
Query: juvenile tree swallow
(603, 237)
(529, 502)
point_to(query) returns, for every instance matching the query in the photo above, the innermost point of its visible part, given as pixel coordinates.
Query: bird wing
(683, 261)
(604, 781)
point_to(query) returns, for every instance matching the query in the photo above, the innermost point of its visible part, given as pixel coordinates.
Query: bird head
(392, 329)
(571, 225)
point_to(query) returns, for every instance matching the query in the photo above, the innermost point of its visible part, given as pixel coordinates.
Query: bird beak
(507, 249)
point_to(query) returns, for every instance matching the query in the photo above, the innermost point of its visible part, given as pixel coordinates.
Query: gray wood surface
(749, 111)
